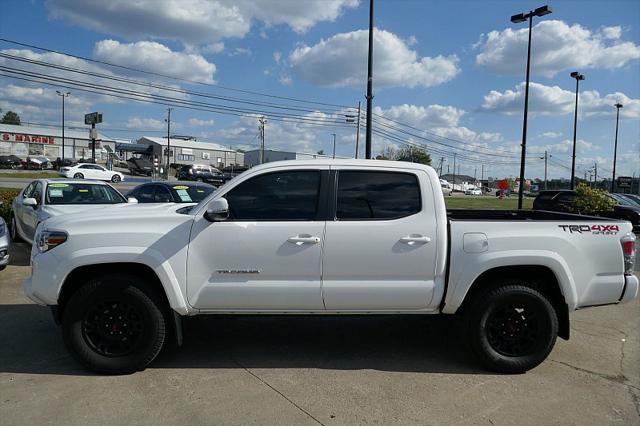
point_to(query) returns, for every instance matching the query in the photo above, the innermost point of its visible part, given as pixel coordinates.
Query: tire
(78, 176)
(512, 328)
(115, 178)
(13, 231)
(139, 321)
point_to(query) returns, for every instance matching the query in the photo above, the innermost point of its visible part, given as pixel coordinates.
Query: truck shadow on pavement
(32, 344)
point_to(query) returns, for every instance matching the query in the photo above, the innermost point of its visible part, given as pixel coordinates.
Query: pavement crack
(620, 378)
(264, 382)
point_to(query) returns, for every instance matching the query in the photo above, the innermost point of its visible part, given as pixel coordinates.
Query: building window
(206, 156)
(185, 157)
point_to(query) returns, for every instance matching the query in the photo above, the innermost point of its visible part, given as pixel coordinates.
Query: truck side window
(145, 194)
(377, 195)
(284, 196)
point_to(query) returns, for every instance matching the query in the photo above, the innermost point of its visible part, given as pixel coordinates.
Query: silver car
(45, 198)
(4, 244)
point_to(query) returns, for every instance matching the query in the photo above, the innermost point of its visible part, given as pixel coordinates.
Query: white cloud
(285, 80)
(553, 100)
(194, 21)
(38, 104)
(199, 122)
(550, 135)
(152, 56)
(558, 47)
(421, 116)
(277, 56)
(138, 123)
(213, 47)
(341, 60)
(241, 51)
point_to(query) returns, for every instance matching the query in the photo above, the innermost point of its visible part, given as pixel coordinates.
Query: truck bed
(518, 215)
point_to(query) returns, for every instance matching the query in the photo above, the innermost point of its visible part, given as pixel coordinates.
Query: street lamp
(578, 77)
(615, 146)
(522, 17)
(63, 95)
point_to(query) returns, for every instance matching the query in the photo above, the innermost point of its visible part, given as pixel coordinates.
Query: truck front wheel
(512, 328)
(114, 324)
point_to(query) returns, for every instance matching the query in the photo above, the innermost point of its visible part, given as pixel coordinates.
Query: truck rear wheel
(114, 324)
(512, 328)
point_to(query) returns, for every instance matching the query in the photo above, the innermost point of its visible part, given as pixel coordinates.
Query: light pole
(63, 95)
(522, 17)
(578, 77)
(615, 146)
(334, 145)
(369, 84)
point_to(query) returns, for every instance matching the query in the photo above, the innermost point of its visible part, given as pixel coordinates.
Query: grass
(487, 202)
(29, 175)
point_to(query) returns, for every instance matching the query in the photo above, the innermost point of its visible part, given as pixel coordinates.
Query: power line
(164, 100)
(165, 76)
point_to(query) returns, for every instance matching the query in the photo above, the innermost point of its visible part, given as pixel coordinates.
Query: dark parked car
(10, 162)
(230, 172)
(560, 200)
(633, 198)
(200, 173)
(139, 166)
(171, 192)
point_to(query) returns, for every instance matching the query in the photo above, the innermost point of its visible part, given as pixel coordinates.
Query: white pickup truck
(325, 237)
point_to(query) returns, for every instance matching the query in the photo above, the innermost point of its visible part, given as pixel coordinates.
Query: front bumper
(4, 256)
(630, 291)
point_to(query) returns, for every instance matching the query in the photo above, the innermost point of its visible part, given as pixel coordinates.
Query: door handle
(415, 239)
(304, 239)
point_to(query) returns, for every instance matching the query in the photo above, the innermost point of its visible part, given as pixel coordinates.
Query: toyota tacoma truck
(325, 237)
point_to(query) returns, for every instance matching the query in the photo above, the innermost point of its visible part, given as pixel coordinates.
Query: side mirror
(132, 200)
(217, 210)
(30, 202)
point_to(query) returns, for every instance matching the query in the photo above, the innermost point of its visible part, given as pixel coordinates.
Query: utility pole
(546, 157)
(358, 130)
(369, 83)
(595, 172)
(475, 171)
(63, 95)
(334, 145)
(578, 77)
(168, 120)
(454, 172)
(615, 149)
(441, 164)
(263, 121)
(482, 173)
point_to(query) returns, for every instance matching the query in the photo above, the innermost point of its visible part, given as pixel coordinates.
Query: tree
(591, 201)
(10, 118)
(413, 155)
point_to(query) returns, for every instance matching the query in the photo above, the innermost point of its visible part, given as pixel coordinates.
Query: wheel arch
(545, 282)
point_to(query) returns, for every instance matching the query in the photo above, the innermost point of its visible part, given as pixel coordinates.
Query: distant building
(188, 151)
(252, 158)
(26, 140)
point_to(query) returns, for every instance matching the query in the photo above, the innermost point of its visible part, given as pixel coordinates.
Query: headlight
(46, 240)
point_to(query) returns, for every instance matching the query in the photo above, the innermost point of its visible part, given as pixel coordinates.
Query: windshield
(192, 193)
(622, 201)
(82, 193)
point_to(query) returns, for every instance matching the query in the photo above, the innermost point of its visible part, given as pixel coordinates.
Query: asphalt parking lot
(310, 370)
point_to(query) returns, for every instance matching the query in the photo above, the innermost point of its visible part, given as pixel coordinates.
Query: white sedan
(45, 198)
(90, 171)
(473, 191)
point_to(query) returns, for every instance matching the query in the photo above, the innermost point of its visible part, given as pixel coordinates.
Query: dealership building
(31, 141)
(187, 150)
(252, 158)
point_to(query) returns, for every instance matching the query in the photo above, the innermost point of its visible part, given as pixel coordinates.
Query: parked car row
(627, 206)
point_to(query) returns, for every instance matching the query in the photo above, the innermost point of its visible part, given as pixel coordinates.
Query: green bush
(6, 197)
(591, 201)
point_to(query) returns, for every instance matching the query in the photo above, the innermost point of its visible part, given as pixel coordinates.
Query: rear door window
(365, 195)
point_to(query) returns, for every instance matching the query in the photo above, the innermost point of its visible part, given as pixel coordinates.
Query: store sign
(19, 137)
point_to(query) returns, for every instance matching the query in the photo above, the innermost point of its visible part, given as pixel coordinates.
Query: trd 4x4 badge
(593, 229)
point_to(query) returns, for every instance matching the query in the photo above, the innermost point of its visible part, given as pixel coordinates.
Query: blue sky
(451, 70)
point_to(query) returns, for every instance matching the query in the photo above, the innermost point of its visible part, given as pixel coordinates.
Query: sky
(448, 75)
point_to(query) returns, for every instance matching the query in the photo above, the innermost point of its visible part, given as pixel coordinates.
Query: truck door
(267, 255)
(380, 251)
